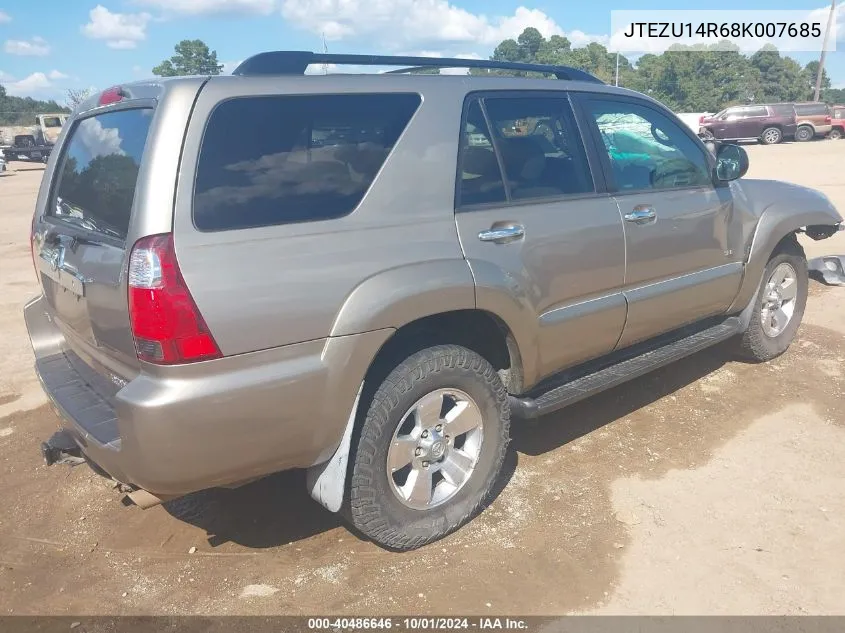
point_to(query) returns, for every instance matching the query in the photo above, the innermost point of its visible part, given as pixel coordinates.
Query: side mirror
(731, 162)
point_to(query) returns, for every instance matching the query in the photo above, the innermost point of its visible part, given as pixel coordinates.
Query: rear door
(79, 239)
(679, 265)
(754, 121)
(537, 229)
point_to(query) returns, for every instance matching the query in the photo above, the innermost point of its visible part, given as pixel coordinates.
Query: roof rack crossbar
(296, 62)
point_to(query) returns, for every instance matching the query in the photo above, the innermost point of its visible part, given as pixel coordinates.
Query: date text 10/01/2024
(417, 624)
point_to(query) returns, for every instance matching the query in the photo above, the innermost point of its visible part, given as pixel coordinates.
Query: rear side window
(540, 147)
(811, 109)
(783, 110)
(283, 159)
(99, 171)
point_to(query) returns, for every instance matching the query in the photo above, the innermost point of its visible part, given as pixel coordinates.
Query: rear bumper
(175, 430)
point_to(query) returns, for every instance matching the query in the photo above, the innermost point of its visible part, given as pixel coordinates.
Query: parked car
(812, 120)
(837, 122)
(769, 124)
(221, 299)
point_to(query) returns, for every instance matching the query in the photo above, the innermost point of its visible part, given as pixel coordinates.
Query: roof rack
(295, 63)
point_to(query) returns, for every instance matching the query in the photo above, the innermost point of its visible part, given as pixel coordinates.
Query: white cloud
(5, 17)
(119, 30)
(34, 84)
(822, 15)
(580, 39)
(36, 47)
(403, 22)
(99, 141)
(55, 74)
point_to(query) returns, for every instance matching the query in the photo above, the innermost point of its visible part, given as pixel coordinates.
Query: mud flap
(831, 268)
(326, 482)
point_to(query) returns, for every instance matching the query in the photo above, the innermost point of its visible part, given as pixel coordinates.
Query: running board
(588, 384)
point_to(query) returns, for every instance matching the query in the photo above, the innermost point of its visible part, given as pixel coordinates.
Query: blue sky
(51, 45)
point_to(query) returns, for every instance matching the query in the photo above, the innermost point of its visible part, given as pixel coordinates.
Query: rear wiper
(90, 225)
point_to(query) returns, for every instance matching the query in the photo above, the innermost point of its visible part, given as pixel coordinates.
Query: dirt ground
(711, 487)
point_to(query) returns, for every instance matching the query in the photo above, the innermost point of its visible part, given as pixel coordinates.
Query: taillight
(112, 95)
(827, 119)
(166, 324)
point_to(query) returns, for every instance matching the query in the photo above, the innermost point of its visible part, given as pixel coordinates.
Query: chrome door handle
(502, 234)
(642, 214)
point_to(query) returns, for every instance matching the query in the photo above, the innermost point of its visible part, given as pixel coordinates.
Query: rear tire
(771, 136)
(804, 133)
(780, 305)
(412, 481)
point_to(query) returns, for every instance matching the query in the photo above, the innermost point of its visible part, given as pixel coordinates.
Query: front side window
(273, 160)
(646, 149)
(756, 111)
(99, 172)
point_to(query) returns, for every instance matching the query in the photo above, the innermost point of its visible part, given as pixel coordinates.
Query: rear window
(783, 109)
(284, 159)
(99, 171)
(810, 109)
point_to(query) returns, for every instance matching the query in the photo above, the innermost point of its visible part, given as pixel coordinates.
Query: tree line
(686, 78)
(22, 110)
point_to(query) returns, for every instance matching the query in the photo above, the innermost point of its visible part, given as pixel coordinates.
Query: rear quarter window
(96, 184)
(273, 160)
(783, 110)
(811, 109)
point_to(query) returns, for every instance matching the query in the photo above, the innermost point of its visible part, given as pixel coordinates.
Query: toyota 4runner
(373, 276)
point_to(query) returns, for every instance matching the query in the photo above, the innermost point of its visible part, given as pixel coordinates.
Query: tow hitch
(61, 449)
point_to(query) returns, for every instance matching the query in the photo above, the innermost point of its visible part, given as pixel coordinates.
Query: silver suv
(372, 276)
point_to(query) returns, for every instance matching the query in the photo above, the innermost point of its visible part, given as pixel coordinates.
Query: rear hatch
(80, 236)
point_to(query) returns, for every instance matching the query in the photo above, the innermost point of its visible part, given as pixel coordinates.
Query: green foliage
(834, 96)
(22, 110)
(686, 78)
(192, 58)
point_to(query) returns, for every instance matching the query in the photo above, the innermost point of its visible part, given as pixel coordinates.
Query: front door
(679, 265)
(544, 242)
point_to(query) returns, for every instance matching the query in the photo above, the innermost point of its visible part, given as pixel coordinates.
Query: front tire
(804, 133)
(430, 449)
(780, 305)
(771, 136)
(835, 134)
